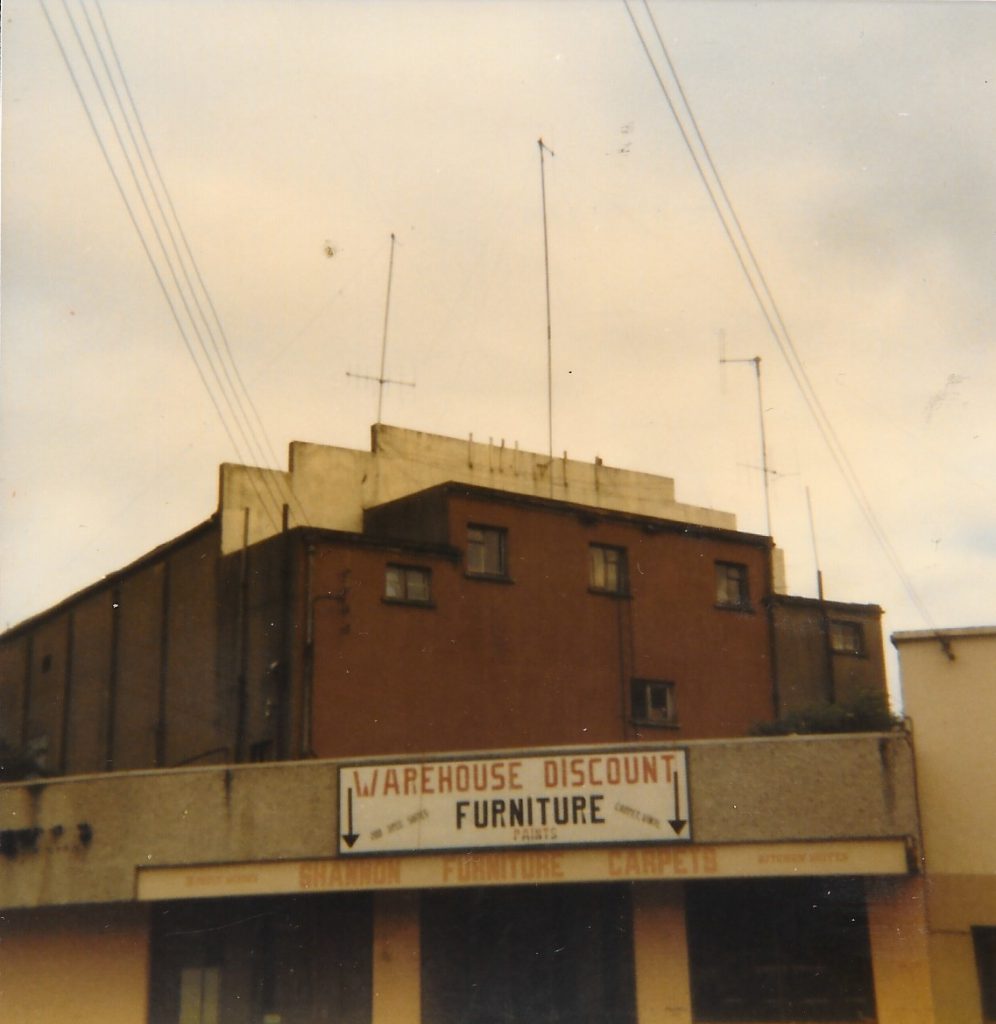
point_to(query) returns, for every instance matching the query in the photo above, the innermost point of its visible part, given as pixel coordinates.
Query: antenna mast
(816, 554)
(383, 343)
(549, 334)
(756, 361)
(380, 379)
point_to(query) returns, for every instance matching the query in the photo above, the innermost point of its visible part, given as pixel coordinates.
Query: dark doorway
(292, 960)
(786, 949)
(546, 955)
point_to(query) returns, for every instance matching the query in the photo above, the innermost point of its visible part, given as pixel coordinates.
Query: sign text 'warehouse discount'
(613, 796)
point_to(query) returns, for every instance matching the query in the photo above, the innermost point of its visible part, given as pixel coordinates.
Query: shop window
(985, 962)
(546, 954)
(779, 950)
(731, 585)
(408, 584)
(256, 961)
(486, 551)
(608, 569)
(846, 637)
(652, 702)
(199, 990)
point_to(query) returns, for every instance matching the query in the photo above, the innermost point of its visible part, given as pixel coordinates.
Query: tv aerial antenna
(380, 380)
(544, 148)
(766, 472)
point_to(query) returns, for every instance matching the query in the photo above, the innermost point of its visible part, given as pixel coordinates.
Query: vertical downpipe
(29, 678)
(308, 695)
(67, 692)
(164, 617)
(112, 680)
(242, 638)
(623, 674)
(284, 716)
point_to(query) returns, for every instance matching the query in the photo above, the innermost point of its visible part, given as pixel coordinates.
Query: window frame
(620, 588)
(500, 535)
(408, 572)
(742, 602)
(794, 932)
(838, 628)
(640, 690)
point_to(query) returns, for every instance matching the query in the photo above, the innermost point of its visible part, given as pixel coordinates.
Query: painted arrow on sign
(677, 822)
(350, 836)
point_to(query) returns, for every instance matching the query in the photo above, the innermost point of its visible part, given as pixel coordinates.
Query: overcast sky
(855, 140)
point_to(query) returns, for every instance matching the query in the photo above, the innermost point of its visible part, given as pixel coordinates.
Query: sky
(854, 140)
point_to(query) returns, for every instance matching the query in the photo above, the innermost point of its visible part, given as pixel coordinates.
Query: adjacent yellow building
(949, 689)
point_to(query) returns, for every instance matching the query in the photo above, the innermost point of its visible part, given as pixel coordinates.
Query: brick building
(588, 654)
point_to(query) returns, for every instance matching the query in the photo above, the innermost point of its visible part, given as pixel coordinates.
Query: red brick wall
(539, 659)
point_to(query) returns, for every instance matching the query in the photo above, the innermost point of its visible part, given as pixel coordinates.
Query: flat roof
(954, 633)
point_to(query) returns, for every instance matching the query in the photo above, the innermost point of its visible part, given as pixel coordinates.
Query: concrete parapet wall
(82, 840)
(330, 487)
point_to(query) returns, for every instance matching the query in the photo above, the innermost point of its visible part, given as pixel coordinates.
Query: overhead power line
(708, 173)
(217, 368)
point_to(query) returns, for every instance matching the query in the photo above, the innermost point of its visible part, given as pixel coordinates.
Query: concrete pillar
(955, 977)
(897, 926)
(397, 961)
(660, 954)
(89, 966)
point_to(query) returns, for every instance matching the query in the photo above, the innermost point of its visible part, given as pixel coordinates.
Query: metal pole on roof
(381, 379)
(756, 362)
(549, 333)
(383, 343)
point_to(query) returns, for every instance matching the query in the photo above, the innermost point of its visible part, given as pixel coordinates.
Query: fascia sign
(612, 796)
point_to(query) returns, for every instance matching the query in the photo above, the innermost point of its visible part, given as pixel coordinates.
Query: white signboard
(608, 796)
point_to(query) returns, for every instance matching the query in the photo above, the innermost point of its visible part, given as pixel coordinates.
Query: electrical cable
(772, 315)
(244, 426)
(231, 402)
(241, 386)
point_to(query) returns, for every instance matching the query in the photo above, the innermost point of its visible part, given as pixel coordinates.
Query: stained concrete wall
(330, 487)
(741, 791)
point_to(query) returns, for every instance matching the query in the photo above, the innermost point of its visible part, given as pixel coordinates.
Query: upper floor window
(608, 569)
(652, 702)
(486, 554)
(846, 637)
(408, 583)
(731, 585)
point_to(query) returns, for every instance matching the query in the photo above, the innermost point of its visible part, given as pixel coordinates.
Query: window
(221, 961)
(486, 551)
(731, 585)
(847, 637)
(608, 569)
(199, 990)
(407, 583)
(779, 950)
(553, 953)
(652, 702)
(985, 963)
